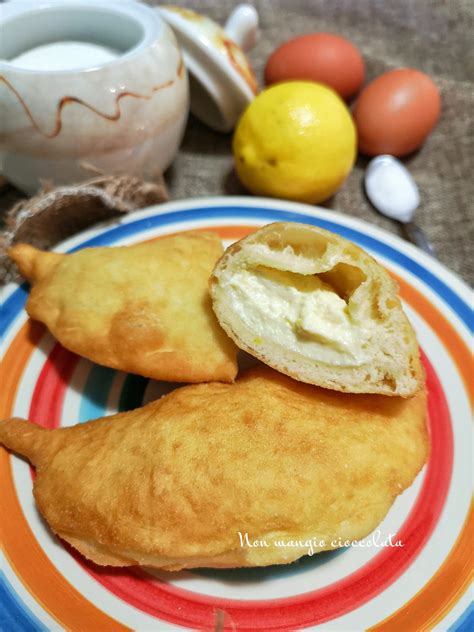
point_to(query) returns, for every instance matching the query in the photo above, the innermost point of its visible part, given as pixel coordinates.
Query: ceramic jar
(125, 115)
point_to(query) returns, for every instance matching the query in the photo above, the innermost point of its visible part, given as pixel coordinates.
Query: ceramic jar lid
(221, 78)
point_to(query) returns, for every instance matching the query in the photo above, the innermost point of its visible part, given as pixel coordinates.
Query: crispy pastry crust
(144, 309)
(171, 484)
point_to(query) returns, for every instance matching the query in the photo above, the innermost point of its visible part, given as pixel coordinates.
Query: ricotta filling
(297, 311)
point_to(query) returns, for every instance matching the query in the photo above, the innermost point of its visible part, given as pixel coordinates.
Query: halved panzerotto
(318, 308)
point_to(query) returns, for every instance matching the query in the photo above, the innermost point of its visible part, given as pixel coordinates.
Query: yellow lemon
(296, 140)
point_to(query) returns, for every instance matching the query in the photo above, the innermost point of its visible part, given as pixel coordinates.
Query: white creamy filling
(296, 311)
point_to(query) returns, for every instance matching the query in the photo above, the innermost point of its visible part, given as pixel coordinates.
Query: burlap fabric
(57, 213)
(432, 35)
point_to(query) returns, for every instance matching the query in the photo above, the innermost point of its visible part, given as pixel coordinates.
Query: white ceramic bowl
(124, 115)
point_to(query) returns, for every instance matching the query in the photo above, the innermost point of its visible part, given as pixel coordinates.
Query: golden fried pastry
(318, 308)
(143, 309)
(173, 483)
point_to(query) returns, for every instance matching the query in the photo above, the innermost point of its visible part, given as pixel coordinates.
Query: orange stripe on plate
(225, 232)
(431, 604)
(231, 232)
(15, 360)
(440, 594)
(63, 602)
(451, 339)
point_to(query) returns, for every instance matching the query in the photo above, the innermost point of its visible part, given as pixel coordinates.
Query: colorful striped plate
(419, 586)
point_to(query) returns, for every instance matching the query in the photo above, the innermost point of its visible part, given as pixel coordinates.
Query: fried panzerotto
(143, 309)
(174, 483)
(318, 308)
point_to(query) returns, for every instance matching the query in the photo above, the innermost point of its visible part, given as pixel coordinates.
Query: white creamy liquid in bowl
(64, 56)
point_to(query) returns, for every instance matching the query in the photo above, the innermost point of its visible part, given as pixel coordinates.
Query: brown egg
(395, 113)
(321, 57)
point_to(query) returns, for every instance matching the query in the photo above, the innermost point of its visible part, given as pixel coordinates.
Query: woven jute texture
(435, 36)
(57, 213)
